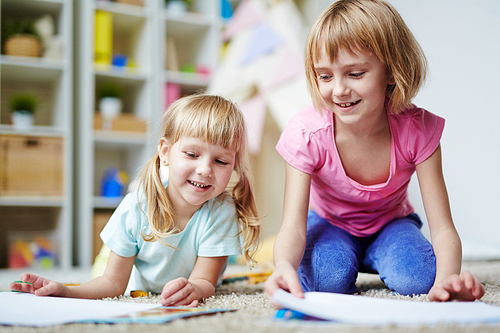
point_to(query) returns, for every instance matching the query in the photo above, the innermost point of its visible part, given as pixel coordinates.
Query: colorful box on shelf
(31, 249)
(124, 122)
(31, 165)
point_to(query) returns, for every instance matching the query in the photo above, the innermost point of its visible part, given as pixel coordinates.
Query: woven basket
(131, 2)
(23, 45)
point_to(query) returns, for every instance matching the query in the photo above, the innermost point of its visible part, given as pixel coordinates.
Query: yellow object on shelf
(103, 37)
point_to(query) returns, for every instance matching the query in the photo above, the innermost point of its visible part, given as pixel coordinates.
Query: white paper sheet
(350, 309)
(29, 310)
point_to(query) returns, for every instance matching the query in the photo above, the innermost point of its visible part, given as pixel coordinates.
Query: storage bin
(31, 165)
(101, 217)
(23, 45)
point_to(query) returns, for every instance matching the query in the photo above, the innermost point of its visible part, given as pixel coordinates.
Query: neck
(368, 129)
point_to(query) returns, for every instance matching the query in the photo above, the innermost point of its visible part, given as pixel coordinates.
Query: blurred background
(84, 84)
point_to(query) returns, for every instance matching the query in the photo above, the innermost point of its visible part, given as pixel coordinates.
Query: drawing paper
(352, 309)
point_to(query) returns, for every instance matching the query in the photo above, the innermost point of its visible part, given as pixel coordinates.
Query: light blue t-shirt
(212, 232)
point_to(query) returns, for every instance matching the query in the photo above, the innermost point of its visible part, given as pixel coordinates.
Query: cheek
(324, 91)
(225, 177)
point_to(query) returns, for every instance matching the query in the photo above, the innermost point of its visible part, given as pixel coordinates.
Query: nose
(340, 88)
(204, 169)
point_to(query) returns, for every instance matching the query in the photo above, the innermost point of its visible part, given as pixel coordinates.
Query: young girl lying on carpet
(350, 157)
(174, 234)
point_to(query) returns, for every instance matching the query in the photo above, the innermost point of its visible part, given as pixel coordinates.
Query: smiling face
(198, 171)
(354, 86)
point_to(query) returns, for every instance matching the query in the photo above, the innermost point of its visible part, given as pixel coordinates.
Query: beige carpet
(255, 313)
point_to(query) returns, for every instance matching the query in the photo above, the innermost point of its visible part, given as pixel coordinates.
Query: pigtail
(159, 208)
(246, 208)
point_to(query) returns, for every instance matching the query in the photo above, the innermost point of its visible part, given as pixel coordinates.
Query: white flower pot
(110, 107)
(177, 8)
(22, 120)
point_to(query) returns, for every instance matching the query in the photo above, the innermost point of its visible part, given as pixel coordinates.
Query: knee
(328, 279)
(410, 282)
(341, 280)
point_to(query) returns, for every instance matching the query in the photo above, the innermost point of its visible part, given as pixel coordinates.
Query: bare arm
(112, 283)
(449, 282)
(201, 283)
(444, 237)
(291, 240)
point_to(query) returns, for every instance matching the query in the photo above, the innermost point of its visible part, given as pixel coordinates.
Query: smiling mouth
(198, 184)
(345, 105)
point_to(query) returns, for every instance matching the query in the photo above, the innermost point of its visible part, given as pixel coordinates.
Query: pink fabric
(308, 144)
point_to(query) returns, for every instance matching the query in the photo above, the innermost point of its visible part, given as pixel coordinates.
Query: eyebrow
(197, 146)
(350, 65)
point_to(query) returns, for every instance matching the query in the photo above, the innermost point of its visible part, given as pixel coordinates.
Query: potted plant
(110, 103)
(20, 38)
(178, 6)
(23, 108)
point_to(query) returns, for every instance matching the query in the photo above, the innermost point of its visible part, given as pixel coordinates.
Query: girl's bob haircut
(368, 26)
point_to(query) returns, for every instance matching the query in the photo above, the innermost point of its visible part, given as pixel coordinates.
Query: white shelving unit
(141, 33)
(50, 80)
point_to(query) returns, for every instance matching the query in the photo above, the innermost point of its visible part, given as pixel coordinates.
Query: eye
(356, 75)
(191, 154)
(324, 77)
(221, 162)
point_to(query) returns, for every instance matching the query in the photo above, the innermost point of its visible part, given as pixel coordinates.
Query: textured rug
(256, 314)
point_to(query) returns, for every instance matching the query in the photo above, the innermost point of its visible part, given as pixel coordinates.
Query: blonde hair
(217, 121)
(374, 26)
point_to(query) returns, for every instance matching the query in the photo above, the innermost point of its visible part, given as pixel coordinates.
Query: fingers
(463, 287)
(179, 292)
(438, 294)
(473, 284)
(28, 283)
(295, 288)
(288, 282)
(22, 287)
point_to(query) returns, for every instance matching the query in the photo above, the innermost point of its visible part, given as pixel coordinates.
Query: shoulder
(306, 139)
(417, 132)
(221, 207)
(311, 120)
(416, 119)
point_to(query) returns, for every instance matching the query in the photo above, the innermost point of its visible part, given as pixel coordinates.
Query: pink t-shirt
(308, 144)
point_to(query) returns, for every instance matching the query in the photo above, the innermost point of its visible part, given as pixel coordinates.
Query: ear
(391, 80)
(163, 151)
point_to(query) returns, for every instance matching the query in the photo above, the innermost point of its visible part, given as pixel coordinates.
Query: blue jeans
(399, 253)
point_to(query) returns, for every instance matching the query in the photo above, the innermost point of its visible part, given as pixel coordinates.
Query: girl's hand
(179, 292)
(463, 287)
(39, 286)
(284, 277)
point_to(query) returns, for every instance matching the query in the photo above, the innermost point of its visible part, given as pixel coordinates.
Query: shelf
(116, 139)
(188, 79)
(122, 11)
(30, 7)
(30, 68)
(32, 201)
(187, 23)
(106, 203)
(139, 33)
(51, 131)
(127, 74)
(51, 82)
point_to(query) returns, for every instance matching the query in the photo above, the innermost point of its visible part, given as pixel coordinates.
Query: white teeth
(198, 185)
(346, 104)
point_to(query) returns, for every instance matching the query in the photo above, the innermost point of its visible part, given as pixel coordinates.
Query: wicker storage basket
(131, 2)
(31, 165)
(23, 45)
